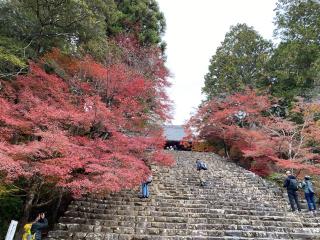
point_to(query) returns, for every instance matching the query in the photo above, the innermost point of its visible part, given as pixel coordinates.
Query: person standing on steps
(201, 167)
(307, 187)
(145, 187)
(292, 187)
(38, 226)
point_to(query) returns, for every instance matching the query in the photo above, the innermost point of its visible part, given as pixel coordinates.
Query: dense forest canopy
(287, 69)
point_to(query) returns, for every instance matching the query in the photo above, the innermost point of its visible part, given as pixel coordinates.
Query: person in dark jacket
(38, 225)
(307, 187)
(292, 186)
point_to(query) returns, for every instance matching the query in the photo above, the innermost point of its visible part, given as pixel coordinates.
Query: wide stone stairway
(236, 204)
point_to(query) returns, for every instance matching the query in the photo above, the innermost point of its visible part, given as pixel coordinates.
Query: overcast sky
(195, 28)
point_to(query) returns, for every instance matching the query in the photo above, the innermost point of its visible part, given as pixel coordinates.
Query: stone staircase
(236, 204)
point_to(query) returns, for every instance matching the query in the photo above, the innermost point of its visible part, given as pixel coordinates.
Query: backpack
(307, 186)
(293, 184)
(27, 232)
(202, 166)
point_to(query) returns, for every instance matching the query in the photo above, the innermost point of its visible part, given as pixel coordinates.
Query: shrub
(10, 208)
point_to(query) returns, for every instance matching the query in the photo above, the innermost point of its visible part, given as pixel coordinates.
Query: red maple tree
(86, 127)
(245, 125)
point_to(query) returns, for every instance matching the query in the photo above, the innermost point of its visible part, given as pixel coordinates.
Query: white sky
(195, 28)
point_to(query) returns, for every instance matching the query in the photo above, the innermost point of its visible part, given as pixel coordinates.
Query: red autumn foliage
(245, 124)
(94, 128)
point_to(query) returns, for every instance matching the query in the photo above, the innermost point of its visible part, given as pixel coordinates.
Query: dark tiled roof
(174, 132)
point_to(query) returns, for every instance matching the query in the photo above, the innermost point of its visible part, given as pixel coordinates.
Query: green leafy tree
(294, 70)
(45, 24)
(294, 67)
(141, 17)
(13, 57)
(10, 206)
(298, 20)
(238, 63)
(72, 23)
(74, 26)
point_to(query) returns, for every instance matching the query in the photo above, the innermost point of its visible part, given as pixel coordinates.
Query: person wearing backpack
(38, 225)
(201, 167)
(307, 187)
(33, 231)
(291, 184)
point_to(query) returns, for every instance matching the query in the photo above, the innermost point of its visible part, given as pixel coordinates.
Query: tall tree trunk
(27, 209)
(226, 153)
(55, 212)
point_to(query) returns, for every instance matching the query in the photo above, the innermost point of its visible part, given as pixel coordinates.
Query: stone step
(220, 221)
(170, 202)
(154, 211)
(176, 232)
(148, 203)
(132, 227)
(206, 198)
(232, 234)
(174, 217)
(172, 207)
(64, 235)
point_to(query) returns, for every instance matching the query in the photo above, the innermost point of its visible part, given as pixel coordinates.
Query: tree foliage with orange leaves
(84, 126)
(247, 123)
